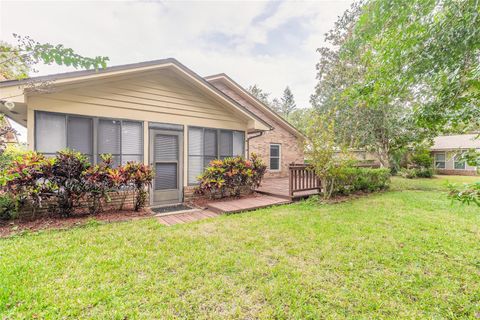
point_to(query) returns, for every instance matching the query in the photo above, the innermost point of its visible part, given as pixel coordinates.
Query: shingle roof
(461, 141)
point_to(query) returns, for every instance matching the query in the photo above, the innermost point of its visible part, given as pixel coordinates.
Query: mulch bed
(12, 227)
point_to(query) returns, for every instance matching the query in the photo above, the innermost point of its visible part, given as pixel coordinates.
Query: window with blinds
(205, 145)
(275, 157)
(123, 139)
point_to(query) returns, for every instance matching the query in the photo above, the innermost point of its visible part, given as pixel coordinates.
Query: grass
(407, 253)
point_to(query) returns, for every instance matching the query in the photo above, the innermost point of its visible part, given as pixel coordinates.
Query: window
(205, 145)
(275, 157)
(440, 160)
(123, 139)
(459, 162)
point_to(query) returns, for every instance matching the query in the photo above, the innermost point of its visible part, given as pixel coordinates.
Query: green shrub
(422, 158)
(229, 176)
(412, 173)
(349, 180)
(7, 207)
(8, 156)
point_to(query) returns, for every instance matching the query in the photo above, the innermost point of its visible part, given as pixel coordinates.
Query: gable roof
(255, 102)
(459, 141)
(69, 77)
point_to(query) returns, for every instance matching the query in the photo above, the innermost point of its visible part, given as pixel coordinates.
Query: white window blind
(122, 139)
(80, 135)
(274, 157)
(205, 145)
(50, 133)
(132, 141)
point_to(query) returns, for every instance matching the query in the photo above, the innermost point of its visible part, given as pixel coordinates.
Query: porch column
(146, 139)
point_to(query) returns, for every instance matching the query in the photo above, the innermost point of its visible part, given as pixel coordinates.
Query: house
(447, 151)
(159, 112)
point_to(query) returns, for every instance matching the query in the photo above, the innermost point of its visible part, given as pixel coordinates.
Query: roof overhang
(225, 79)
(17, 91)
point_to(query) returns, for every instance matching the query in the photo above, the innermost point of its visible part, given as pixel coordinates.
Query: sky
(271, 44)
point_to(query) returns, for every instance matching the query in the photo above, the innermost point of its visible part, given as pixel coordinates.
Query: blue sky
(271, 44)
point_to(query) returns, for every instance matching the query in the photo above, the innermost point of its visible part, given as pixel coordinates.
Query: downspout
(253, 137)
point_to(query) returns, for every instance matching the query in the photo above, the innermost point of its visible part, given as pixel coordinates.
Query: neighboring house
(447, 151)
(159, 112)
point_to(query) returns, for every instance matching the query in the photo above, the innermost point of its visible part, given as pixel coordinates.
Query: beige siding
(154, 97)
(157, 98)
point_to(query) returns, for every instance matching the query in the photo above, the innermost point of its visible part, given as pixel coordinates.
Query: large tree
(423, 53)
(382, 126)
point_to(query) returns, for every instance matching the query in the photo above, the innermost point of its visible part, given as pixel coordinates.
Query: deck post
(290, 180)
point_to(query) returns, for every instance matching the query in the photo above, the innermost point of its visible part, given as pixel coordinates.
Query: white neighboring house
(447, 150)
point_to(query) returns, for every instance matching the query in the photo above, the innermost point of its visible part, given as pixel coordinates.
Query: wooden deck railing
(301, 177)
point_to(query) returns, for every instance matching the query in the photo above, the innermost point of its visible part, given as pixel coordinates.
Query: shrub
(229, 176)
(99, 180)
(7, 207)
(137, 176)
(412, 173)
(8, 156)
(29, 179)
(349, 180)
(68, 178)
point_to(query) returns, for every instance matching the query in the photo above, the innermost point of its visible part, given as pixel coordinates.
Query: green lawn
(406, 253)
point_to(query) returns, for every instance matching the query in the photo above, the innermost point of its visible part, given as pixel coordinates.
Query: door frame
(152, 133)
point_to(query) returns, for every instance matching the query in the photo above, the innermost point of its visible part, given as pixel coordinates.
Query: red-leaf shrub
(99, 180)
(229, 176)
(137, 176)
(28, 179)
(68, 179)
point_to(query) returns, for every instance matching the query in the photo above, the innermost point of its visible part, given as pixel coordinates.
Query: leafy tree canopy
(423, 53)
(16, 61)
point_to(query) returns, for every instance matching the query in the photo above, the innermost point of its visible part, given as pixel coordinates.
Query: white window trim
(444, 160)
(279, 157)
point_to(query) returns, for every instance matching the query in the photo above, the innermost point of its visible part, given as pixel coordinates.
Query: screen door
(166, 157)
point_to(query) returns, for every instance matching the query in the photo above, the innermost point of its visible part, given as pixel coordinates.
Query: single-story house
(159, 112)
(447, 151)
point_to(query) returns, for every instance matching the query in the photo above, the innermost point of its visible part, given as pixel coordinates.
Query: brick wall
(291, 146)
(454, 172)
(122, 200)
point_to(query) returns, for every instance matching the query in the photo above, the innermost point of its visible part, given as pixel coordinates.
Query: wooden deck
(246, 204)
(278, 187)
(186, 217)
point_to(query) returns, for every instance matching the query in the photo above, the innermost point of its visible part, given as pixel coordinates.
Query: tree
(16, 61)
(382, 126)
(263, 97)
(287, 102)
(422, 53)
(258, 93)
(326, 157)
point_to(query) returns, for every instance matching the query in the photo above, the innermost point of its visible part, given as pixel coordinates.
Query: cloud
(271, 44)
